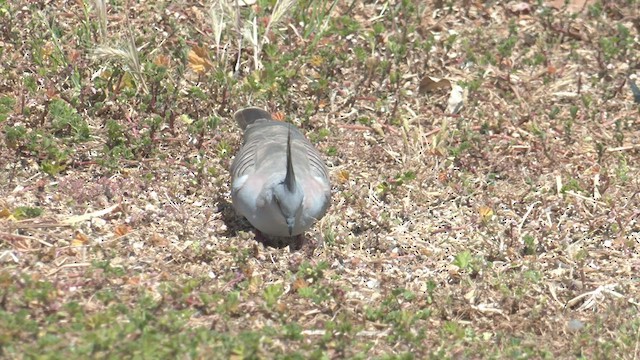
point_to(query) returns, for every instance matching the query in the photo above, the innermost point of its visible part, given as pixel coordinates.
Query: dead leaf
(5, 213)
(47, 49)
(377, 128)
(316, 60)
(278, 115)
(157, 240)
(80, 239)
(162, 61)
(371, 63)
(486, 213)
(572, 6)
(74, 56)
(248, 272)
(134, 280)
(122, 230)
(199, 60)
(429, 84)
(299, 284)
(343, 176)
(51, 91)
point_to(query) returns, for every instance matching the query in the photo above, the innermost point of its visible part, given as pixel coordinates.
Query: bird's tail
(248, 116)
(290, 177)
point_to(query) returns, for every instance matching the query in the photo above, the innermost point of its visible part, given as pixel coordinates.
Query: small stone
(575, 325)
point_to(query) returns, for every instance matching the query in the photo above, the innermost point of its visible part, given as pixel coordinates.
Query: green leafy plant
(6, 107)
(272, 294)
(464, 260)
(67, 122)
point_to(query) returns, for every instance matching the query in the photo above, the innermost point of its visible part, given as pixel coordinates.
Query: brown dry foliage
(548, 213)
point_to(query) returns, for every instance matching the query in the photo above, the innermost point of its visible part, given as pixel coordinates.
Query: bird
(279, 181)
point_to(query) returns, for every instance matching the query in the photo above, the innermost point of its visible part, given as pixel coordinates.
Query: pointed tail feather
(290, 178)
(248, 116)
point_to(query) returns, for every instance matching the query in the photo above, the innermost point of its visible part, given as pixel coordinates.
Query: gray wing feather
(315, 162)
(263, 148)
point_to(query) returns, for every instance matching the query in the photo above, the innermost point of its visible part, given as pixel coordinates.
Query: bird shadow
(236, 223)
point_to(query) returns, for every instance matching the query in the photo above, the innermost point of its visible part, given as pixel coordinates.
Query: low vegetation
(484, 161)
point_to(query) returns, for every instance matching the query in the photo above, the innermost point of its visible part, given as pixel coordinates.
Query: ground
(483, 159)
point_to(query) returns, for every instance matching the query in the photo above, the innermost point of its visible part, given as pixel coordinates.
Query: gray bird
(278, 180)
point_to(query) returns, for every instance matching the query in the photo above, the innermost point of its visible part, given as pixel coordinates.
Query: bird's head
(289, 203)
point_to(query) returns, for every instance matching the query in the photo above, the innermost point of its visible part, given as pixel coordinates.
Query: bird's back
(264, 151)
(261, 164)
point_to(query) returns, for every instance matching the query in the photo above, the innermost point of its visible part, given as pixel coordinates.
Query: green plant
(67, 122)
(15, 136)
(312, 273)
(6, 107)
(464, 260)
(529, 245)
(272, 294)
(329, 236)
(230, 305)
(395, 183)
(26, 212)
(571, 185)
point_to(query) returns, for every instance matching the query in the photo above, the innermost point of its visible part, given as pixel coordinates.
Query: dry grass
(507, 230)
